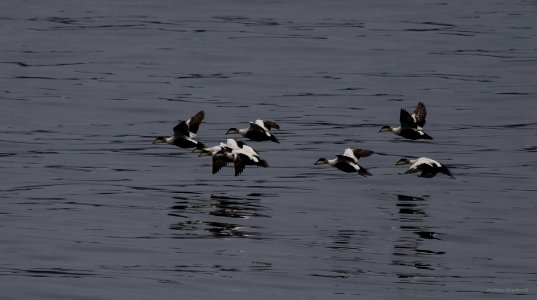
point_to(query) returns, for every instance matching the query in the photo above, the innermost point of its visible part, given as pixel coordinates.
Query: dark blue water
(90, 209)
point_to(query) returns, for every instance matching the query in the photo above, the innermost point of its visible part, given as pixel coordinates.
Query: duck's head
(403, 161)
(385, 129)
(204, 152)
(232, 130)
(321, 161)
(199, 146)
(160, 140)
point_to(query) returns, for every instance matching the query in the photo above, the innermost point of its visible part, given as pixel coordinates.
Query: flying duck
(184, 133)
(257, 131)
(348, 162)
(236, 152)
(428, 167)
(411, 125)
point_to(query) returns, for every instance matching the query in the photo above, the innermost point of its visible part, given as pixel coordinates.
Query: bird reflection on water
(232, 207)
(210, 218)
(410, 250)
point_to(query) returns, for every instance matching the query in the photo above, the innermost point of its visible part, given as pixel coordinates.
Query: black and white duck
(258, 131)
(428, 167)
(348, 162)
(184, 133)
(411, 125)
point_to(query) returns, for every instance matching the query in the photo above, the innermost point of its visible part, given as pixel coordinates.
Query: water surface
(91, 210)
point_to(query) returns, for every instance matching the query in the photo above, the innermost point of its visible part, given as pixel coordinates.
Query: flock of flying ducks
(241, 154)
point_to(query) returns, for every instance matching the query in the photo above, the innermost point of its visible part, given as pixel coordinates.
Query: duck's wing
(256, 127)
(181, 130)
(406, 120)
(267, 124)
(415, 168)
(361, 153)
(419, 114)
(249, 150)
(259, 133)
(446, 171)
(426, 169)
(218, 163)
(346, 164)
(363, 171)
(242, 145)
(195, 121)
(232, 143)
(262, 163)
(239, 163)
(429, 172)
(349, 152)
(428, 161)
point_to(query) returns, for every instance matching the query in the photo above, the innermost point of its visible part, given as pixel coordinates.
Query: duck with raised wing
(411, 125)
(348, 162)
(257, 131)
(184, 133)
(428, 167)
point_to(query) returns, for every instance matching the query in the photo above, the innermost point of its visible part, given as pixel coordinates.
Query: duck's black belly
(345, 167)
(257, 136)
(413, 135)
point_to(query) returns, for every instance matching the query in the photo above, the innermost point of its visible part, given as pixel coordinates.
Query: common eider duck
(348, 162)
(184, 133)
(237, 152)
(428, 167)
(411, 125)
(257, 131)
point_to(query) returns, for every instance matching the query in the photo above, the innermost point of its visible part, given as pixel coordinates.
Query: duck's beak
(402, 161)
(384, 129)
